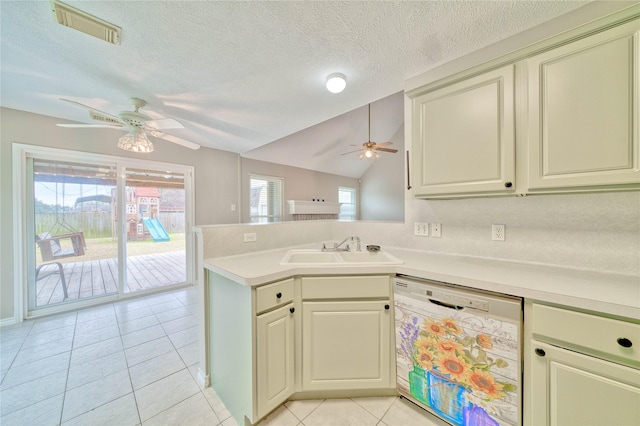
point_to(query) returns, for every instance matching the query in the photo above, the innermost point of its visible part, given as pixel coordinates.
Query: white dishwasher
(459, 352)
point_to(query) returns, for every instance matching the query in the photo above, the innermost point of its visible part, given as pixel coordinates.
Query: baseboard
(7, 321)
(203, 379)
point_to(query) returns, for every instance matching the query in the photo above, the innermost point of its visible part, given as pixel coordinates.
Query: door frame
(20, 153)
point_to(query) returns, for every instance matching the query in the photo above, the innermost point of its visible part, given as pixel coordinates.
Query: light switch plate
(250, 237)
(421, 229)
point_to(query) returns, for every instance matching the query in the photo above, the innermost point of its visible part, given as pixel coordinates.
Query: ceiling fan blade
(95, 113)
(87, 126)
(384, 143)
(176, 140)
(166, 123)
(351, 152)
(385, 149)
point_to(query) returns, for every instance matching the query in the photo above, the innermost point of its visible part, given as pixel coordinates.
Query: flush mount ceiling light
(336, 83)
(135, 141)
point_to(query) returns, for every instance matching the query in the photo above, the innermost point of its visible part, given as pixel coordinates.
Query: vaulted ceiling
(241, 74)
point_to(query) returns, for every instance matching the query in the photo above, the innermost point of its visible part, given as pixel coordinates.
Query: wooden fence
(97, 224)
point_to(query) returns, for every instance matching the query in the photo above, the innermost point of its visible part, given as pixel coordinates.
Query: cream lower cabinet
(346, 343)
(581, 369)
(275, 350)
(275, 358)
(569, 388)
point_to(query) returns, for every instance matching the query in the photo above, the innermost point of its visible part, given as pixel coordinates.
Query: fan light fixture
(135, 141)
(336, 83)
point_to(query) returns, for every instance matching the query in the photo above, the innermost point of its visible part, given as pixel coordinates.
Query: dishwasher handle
(446, 305)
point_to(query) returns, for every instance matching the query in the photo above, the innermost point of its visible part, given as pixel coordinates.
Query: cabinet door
(569, 388)
(583, 112)
(346, 345)
(463, 137)
(274, 358)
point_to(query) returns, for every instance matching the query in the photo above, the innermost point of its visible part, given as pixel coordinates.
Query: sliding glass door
(97, 226)
(76, 250)
(155, 229)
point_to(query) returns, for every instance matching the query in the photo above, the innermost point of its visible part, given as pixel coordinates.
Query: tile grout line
(66, 382)
(133, 391)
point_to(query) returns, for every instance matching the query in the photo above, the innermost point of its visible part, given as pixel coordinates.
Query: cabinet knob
(387, 307)
(540, 352)
(624, 342)
(278, 295)
(508, 184)
(292, 310)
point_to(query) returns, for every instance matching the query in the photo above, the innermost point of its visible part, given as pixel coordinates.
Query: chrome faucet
(336, 246)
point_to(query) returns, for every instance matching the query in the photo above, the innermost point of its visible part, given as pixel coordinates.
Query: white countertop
(607, 293)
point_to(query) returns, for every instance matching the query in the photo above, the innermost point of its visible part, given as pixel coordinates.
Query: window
(265, 199)
(347, 200)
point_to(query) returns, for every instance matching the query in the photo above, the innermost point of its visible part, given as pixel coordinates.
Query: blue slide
(155, 228)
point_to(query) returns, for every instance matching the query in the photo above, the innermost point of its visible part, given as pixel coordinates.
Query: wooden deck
(99, 277)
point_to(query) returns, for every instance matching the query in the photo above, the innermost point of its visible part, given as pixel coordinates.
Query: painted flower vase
(476, 416)
(418, 386)
(446, 398)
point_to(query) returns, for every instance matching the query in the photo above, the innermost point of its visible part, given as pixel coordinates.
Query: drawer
(273, 295)
(588, 333)
(356, 287)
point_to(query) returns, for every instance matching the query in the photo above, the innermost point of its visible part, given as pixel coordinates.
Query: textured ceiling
(239, 75)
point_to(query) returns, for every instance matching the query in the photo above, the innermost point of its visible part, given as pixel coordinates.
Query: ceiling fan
(369, 148)
(137, 125)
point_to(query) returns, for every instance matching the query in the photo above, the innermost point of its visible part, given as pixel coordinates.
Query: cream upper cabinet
(583, 112)
(561, 115)
(463, 137)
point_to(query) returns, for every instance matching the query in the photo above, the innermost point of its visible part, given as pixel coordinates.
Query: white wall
(382, 185)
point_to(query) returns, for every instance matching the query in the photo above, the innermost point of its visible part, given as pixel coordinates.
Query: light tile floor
(134, 362)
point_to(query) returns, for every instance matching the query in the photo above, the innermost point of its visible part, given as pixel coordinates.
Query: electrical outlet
(421, 229)
(436, 230)
(498, 232)
(250, 237)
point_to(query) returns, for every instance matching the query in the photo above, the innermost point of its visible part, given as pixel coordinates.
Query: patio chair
(51, 272)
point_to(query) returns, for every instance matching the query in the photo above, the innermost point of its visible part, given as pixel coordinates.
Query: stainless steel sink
(334, 258)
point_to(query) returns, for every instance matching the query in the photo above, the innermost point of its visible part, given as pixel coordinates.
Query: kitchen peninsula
(254, 300)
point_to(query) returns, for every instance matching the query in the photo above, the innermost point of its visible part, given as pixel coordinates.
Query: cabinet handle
(540, 352)
(278, 295)
(408, 176)
(387, 307)
(624, 342)
(508, 184)
(292, 310)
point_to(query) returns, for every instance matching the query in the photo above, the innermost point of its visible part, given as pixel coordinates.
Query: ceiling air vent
(83, 22)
